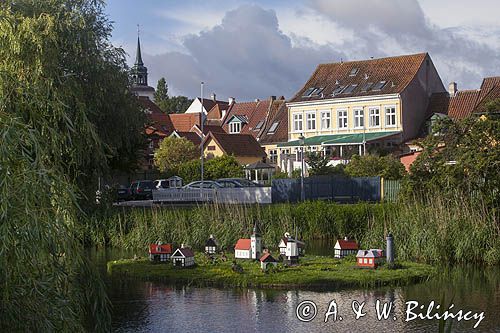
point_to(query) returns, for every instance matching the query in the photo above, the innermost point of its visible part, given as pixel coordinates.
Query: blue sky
(253, 49)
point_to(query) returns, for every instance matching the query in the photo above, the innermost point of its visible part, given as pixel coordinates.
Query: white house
(267, 260)
(183, 257)
(249, 248)
(284, 241)
(208, 104)
(345, 247)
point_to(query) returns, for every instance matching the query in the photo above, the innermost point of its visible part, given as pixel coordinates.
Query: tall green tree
(161, 95)
(66, 116)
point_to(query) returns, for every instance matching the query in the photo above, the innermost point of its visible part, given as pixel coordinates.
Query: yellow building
(349, 107)
(243, 147)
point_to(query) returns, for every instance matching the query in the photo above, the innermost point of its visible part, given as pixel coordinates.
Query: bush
(387, 167)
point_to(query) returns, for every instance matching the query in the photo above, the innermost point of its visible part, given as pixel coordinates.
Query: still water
(156, 307)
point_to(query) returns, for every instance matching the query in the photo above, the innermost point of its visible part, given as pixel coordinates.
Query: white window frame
(326, 116)
(387, 115)
(345, 116)
(359, 113)
(235, 127)
(312, 120)
(370, 115)
(298, 118)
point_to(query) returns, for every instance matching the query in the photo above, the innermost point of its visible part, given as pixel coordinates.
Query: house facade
(243, 147)
(183, 257)
(345, 247)
(352, 107)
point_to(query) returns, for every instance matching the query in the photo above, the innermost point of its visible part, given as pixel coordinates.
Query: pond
(147, 307)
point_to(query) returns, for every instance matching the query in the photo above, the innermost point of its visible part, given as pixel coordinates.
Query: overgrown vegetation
(313, 272)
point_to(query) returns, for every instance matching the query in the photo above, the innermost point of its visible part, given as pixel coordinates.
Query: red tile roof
(466, 102)
(267, 258)
(191, 136)
(254, 112)
(397, 72)
(237, 144)
(160, 249)
(347, 244)
(277, 114)
(243, 244)
(183, 122)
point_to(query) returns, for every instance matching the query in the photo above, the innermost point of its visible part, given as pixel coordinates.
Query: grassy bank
(438, 231)
(314, 272)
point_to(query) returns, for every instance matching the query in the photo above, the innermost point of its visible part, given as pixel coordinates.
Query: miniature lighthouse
(256, 242)
(292, 251)
(390, 249)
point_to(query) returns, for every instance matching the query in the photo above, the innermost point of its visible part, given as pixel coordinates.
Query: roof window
(259, 125)
(308, 92)
(338, 90)
(379, 85)
(273, 127)
(354, 71)
(350, 89)
(366, 86)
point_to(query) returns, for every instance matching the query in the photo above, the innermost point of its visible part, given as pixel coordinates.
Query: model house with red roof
(345, 247)
(369, 258)
(183, 257)
(160, 252)
(267, 260)
(249, 248)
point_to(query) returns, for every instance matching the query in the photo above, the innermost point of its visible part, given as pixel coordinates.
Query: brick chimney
(452, 88)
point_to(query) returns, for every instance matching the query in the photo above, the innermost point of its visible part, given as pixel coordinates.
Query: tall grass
(451, 230)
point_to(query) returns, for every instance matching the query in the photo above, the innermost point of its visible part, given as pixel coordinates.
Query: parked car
(122, 193)
(204, 184)
(141, 189)
(161, 183)
(237, 182)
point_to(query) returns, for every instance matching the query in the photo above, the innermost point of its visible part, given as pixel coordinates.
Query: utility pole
(202, 136)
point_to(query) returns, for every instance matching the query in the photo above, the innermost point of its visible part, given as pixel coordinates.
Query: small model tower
(291, 252)
(256, 242)
(211, 245)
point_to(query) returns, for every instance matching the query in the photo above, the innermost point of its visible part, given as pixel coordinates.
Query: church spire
(139, 73)
(138, 56)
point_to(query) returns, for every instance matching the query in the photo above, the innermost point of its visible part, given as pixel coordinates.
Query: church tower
(139, 75)
(256, 242)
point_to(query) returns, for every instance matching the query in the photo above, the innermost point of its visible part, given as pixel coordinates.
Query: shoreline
(313, 273)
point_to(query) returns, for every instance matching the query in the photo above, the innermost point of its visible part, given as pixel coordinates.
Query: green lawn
(314, 272)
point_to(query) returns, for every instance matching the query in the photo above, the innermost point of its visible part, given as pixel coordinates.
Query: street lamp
(202, 153)
(302, 193)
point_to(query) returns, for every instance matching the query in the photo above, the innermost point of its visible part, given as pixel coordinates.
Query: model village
(290, 250)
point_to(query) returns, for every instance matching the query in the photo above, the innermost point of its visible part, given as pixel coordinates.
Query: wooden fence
(389, 189)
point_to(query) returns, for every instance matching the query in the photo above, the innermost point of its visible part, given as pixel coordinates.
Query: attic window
(338, 90)
(366, 86)
(259, 125)
(308, 92)
(350, 89)
(317, 92)
(273, 127)
(354, 71)
(379, 85)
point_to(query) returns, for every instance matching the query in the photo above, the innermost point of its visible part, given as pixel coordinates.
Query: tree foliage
(174, 104)
(318, 165)
(461, 156)
(225, 166)
(387, 167)
(65, 116)
(173, 152)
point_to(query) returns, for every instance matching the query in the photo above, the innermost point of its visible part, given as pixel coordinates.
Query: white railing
(222, 195)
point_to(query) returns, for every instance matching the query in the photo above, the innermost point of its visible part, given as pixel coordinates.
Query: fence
(390, 189)
(246, 195)
(328, 188)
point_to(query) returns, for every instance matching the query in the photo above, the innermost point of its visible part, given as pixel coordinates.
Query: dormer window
(235, 127)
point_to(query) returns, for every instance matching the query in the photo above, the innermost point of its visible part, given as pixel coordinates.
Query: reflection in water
(148, 307)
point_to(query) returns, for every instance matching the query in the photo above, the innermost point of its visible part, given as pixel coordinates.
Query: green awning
(339, 139)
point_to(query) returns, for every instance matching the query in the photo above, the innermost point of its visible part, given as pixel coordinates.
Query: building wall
(195, 107)
(407, 160)
(348, 104)
(416, 98)
(217, 151)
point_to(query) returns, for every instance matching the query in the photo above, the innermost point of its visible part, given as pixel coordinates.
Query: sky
(255, 49)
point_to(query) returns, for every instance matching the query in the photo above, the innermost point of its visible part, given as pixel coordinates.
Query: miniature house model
(291, 252)
(160, 252)
(369, 258)
(284, 241)
(211, 245)
(183, 257)
(345, 247)
(266, 260)
(249, 248)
